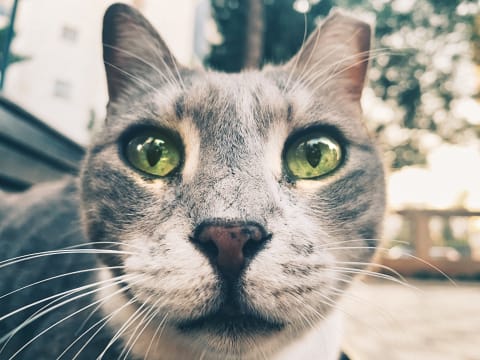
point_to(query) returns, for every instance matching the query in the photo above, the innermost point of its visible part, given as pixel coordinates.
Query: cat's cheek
(177, 279)
(287, 287)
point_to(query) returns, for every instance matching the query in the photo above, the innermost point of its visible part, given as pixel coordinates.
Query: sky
(451, 179)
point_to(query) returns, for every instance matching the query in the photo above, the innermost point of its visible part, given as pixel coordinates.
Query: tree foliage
(12, 58)
(422, 75)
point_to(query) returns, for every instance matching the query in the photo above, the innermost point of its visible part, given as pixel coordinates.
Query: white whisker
(122, 329)
(158, 331)
(62, 320)
(27, 257)
(390, 269)
(373, 274)
(136, 78)
(146, 320)
(171, 80)
(58, 277)
(128, 345)
(104, 319)
(89, 243)
(367, 264)
(6, 338)
(292, 70)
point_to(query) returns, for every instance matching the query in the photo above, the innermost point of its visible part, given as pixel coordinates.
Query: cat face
(244, 203)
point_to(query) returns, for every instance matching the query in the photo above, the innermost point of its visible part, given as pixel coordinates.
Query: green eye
(312, 156)
(154, 154)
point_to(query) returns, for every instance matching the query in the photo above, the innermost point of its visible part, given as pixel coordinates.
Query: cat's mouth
(227, 321)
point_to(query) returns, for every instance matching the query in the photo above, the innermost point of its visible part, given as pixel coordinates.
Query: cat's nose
(228, 244)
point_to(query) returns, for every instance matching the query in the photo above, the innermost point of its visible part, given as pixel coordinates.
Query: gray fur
(233, 129)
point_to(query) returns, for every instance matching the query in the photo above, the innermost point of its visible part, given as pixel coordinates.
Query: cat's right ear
(336, 53)
(134, 54)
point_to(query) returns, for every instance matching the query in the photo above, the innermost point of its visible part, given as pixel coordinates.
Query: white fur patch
(191, 140)
(277, 135)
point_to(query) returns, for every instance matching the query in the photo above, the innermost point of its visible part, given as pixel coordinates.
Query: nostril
(208, 248)
(228, 243)
(253, 246)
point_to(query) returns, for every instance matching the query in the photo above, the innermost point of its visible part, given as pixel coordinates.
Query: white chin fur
(322, 342)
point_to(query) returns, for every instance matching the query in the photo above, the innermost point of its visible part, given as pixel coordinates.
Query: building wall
(63, 81)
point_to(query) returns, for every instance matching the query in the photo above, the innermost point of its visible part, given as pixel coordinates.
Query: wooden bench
(422, 262)
(31, 151)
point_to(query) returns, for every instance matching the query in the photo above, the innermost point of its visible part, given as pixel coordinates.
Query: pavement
(423, 320)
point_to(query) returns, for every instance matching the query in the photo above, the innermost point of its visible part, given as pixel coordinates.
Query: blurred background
(421, 102)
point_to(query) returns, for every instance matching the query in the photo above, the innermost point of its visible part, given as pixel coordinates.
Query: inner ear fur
(133, 52)
(336, 53)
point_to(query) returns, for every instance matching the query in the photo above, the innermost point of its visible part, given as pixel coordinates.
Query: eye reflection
(153, 154)
(313, 156)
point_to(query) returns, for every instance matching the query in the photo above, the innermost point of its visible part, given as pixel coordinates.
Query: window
(69, 33)
(62, 89)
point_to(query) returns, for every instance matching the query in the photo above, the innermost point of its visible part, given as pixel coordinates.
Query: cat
(216, 216)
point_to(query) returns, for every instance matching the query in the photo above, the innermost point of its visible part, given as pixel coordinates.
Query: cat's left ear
(336, 53)
(134, 54)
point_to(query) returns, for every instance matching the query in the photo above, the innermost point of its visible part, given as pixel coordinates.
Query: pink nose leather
(230, 241)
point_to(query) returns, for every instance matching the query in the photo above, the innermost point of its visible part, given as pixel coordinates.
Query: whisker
(144, 321)
(406, 255)
(145, 312)
(104, 319)
(312, 67)
(160, 328)
(432, 267)
(337, 306)
(175, 67)
(201, 357)
(61, 321)
(137, 79)
(307, 63)
(132, 301)
(309, 77)
(66, 294)
(149, 320)
(352, 296)
(366, 240)
(313, 73)
(104, 243)
(307, 321)
(297, 58)
(57, 298)
(58, 277)
(87, 319)
(78, 289)
(371, 55)
(122, 329)
(395, 272)
(372, 274)
(171, 80)
(11, 333)
(27, 257)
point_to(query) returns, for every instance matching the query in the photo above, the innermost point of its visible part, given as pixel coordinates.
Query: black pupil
(313, 153)
(153, 152)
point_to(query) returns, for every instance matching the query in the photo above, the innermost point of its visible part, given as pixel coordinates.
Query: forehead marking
(277, 134)
(179, 106)
(289, 112)
(191, 140)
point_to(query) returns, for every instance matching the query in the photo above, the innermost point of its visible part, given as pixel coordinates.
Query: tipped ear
(337, 53)
(133, 53)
